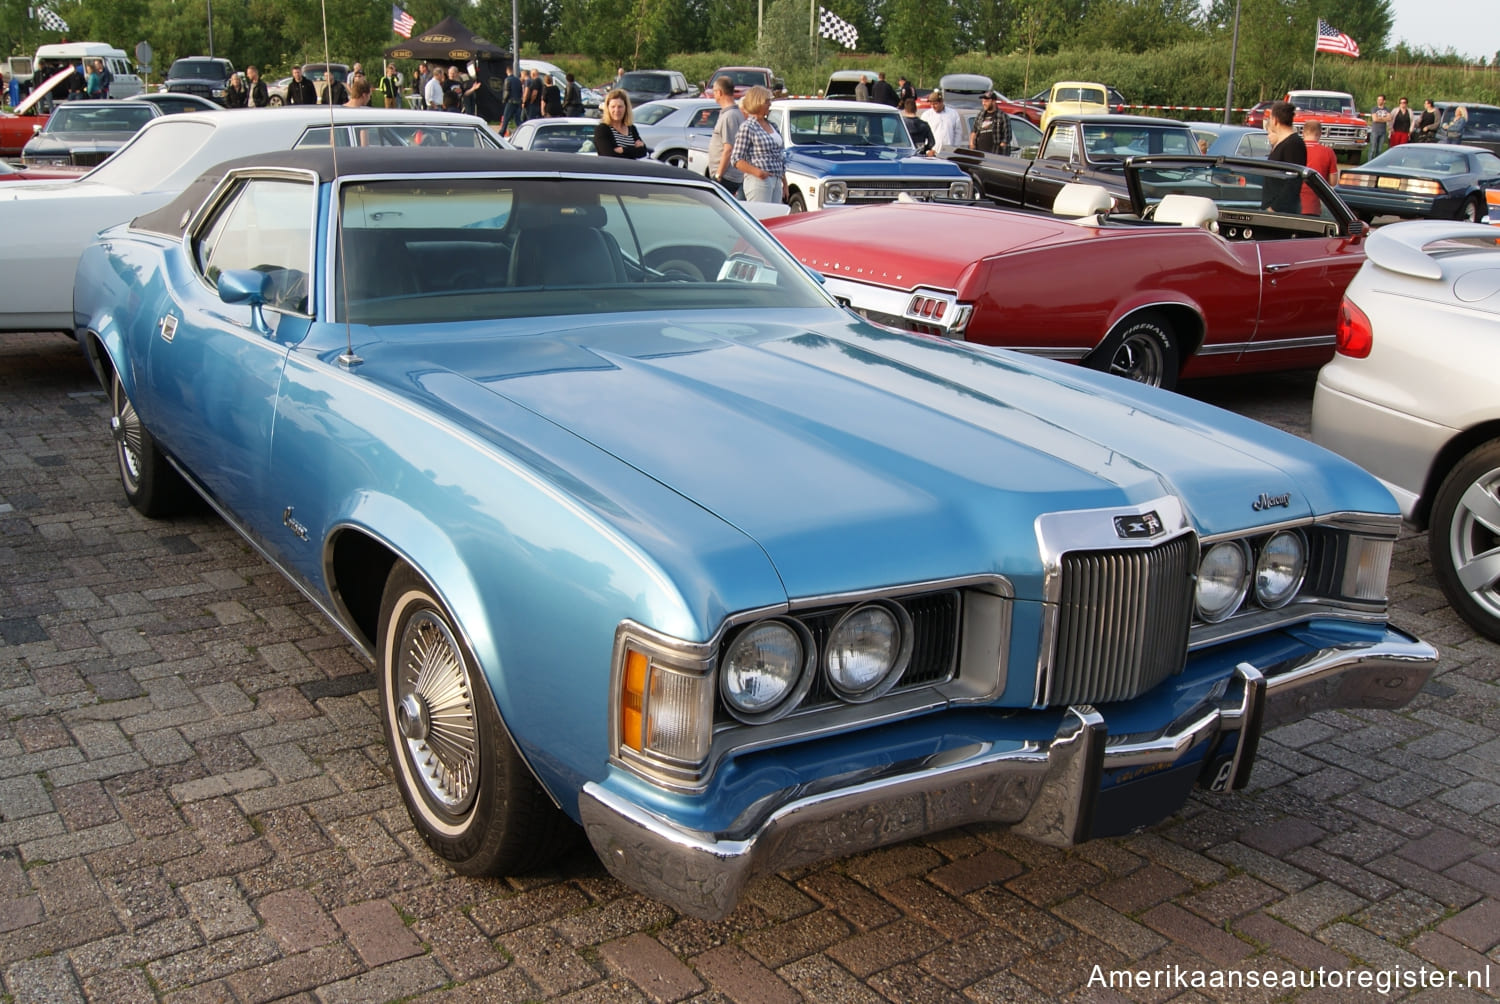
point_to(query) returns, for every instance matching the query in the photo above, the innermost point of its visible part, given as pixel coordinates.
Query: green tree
(785, 44)
(628, 33)
(1138, 25)
(923, 35)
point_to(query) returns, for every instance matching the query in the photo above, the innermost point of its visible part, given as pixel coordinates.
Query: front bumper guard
(1046, 791)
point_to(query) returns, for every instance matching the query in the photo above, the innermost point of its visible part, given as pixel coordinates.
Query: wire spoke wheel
(435, 713)
(471, 796)
(125, 426)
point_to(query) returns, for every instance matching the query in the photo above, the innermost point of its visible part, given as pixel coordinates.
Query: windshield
(200, 69)
(408, 134)
(650, 83)
(113, 117)
(1086, 95)
(1234, 188)
(1330, 104)
(569, 138)
(425, 250)
(1422, 159)
(137, 166)
(1116, 142)
(742, 78)
(843, 127)
(651, 114)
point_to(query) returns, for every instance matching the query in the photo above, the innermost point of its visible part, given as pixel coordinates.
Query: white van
(125, 85)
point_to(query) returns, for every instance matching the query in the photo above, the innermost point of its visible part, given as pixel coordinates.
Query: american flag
(1330, 39)
(401, 22)
(830, 25)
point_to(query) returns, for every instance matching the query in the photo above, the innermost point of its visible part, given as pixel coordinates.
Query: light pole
(1234, 48)
(210, 27)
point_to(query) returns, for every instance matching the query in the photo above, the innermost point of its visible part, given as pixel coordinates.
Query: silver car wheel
(434, 713)
(1464, 539)
(1474, 541)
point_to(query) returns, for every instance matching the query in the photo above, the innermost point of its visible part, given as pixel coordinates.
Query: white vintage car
(1413, 395)
(47, 225)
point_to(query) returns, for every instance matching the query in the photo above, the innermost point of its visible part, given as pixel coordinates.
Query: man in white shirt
(433, 93)
(947, 125)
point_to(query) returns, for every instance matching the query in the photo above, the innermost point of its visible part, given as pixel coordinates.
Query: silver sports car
(1414, 396)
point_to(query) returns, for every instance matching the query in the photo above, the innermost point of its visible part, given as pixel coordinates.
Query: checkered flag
(830, 25)
(50, 19)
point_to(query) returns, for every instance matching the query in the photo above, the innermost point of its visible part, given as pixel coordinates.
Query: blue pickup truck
(851, 153)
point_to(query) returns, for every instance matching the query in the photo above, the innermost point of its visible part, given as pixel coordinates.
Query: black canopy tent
(449, 43)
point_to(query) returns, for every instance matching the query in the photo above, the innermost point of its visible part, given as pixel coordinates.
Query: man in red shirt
(1321, 159)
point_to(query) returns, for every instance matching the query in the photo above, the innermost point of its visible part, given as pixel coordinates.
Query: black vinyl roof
(342, 162)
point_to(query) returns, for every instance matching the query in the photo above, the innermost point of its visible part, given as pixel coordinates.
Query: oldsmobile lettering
(1265, 501)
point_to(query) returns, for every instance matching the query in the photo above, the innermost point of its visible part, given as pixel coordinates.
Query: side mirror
(251, 287)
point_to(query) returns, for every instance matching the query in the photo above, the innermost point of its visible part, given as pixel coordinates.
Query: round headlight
(1223, 578)
(766, 665)
(834, 193)
(1279, 572)
(867, 650)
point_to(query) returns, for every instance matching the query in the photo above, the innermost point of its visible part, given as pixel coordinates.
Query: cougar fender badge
(1265, 501)
(1147, 524)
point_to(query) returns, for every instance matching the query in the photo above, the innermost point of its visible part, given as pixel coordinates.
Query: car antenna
(348, 359)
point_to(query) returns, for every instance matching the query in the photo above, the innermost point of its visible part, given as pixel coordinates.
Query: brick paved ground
(195, 806)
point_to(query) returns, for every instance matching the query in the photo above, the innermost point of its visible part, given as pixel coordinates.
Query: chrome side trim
(1046, 790)
(1269, 345)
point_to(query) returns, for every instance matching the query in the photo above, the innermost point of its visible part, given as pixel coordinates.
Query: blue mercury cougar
(643, 532)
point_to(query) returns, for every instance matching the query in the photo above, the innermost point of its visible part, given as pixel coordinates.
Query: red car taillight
(1355, 336)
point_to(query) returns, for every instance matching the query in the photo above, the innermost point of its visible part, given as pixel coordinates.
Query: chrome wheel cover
(125, 426)
(1474, 541)
(433, 710)
(1139, 358)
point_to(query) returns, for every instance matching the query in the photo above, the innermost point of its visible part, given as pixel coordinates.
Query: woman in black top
(616, 135)
(235, 93)
(1427, 125)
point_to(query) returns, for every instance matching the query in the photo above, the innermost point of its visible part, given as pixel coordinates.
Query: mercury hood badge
(1147, 524)
(1265, 501)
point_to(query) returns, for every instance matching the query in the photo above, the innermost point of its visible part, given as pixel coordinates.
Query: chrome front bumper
(1046, 791)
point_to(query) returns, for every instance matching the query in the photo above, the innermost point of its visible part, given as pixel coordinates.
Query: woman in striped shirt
(758, 152)
(616, 135)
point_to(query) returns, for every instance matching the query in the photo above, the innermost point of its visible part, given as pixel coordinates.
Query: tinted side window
(267, 227)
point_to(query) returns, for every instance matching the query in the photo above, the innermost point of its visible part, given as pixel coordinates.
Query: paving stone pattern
(195, 806)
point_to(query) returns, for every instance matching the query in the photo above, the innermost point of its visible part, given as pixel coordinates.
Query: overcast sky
(1471, 27)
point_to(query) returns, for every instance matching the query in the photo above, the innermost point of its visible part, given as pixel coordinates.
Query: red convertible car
(1222, 266)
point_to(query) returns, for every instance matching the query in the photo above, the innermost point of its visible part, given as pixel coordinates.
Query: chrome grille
(1123, 619)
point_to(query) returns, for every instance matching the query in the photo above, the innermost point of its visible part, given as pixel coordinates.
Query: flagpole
(1234, 48)
(1312, 77)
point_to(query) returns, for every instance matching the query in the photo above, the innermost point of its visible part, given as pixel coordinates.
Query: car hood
(837, 446)
(884, 160)
(70, 190)
(940, 244)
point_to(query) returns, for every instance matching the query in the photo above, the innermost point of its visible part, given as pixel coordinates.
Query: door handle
(1278, 268)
